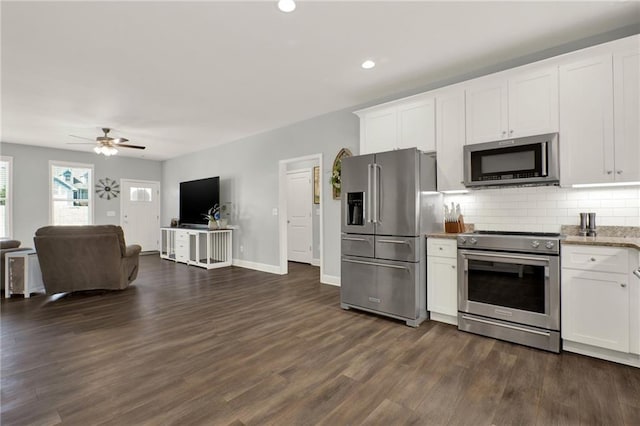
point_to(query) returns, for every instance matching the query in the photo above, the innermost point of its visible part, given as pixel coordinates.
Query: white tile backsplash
(547, 208)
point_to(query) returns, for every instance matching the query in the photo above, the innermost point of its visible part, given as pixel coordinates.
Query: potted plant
(213, 216)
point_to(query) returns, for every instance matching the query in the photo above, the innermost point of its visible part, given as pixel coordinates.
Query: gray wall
(31, 183)
(315, 208)
(248, 171)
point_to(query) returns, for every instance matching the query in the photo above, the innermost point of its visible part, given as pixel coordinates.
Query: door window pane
(71, 195)
(140, 194)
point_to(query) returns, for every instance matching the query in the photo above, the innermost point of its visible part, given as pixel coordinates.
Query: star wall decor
(107, 188)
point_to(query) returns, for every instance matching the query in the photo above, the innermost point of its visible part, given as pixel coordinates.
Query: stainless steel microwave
(531, 160)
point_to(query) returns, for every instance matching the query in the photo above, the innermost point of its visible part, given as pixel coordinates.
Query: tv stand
(199, 247)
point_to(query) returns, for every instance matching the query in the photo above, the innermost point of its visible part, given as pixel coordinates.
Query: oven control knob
(463, 240)
(474, 241)
(549, 244)
(535, 244)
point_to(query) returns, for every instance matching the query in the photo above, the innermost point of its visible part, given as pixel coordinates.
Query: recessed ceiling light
(287, 5)
(368, 64)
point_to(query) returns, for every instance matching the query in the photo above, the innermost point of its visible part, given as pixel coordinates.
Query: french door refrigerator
(388, 204)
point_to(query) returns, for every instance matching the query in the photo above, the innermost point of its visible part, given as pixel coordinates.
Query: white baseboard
(315, 262)
(588, 350)
(263, 267)
(330, 279)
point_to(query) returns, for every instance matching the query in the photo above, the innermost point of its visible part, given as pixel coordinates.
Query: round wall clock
(107, 188)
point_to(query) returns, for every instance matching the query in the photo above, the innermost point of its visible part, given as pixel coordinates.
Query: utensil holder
(454, 227)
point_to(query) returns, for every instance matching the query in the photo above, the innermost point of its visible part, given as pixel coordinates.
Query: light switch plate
(274, 211)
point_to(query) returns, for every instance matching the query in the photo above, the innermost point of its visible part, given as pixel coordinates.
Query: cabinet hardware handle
(593, 259)
(623, 285)
(453, 267)
(609, 172)
(439, 248)
(504, 132)
(619, 172)
(510, 132)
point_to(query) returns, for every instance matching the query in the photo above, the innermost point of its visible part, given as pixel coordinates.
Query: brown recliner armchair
(77, 258)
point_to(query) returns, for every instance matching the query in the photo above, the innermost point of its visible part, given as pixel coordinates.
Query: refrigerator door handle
(384, 265)
(368, 195)
(376, 203)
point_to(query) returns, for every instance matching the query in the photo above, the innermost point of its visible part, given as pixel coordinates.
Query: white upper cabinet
(378, 130)
(514, 105)
(626, 107)
(400, 124)
(450, 138)
(599, 119)
(586, 121)
(533, 103)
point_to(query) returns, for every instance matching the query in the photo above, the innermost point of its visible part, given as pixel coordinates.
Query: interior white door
(140, 213)
(299, 209)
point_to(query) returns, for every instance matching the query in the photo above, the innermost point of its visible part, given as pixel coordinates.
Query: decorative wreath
(107, 188)
(336, 172)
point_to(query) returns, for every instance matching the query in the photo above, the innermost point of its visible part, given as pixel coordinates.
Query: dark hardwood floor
(188, 346)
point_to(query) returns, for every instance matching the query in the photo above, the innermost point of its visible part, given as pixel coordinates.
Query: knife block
(454, 227)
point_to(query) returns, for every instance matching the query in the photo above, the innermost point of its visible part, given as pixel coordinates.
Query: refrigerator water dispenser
(355, 208)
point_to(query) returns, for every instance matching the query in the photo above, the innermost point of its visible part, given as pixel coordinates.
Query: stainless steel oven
(509, 287)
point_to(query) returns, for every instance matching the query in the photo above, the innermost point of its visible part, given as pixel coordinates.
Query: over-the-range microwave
(531, 160)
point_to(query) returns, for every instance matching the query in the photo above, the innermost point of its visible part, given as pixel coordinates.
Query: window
(6, 178)
(71, 193)
(140, 194)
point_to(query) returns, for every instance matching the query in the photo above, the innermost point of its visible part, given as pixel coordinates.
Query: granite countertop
(611, 236)
(468, 227)
(632, 242)
(608, 236)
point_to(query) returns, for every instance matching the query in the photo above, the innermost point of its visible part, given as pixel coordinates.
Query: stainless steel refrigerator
(388, 204)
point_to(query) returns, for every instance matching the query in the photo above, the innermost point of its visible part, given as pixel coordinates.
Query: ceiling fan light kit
(105, 150)
(106, 145)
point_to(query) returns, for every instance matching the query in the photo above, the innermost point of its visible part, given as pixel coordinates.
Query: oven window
(507, 284)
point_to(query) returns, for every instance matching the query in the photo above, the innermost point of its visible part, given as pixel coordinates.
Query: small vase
(213, 225)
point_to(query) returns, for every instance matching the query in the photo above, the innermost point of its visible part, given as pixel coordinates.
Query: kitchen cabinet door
(586, 121)
(486, 110)
(378, 131)
(626, 95)
(442, 285)
(450, 138)
(533, 103)
(595, 309)
(416, 125)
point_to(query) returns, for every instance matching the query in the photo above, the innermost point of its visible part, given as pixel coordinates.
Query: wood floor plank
(233, 346)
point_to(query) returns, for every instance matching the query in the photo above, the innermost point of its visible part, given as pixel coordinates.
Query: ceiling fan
(106, 145)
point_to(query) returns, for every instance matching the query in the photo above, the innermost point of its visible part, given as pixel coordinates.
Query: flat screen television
(196, 198)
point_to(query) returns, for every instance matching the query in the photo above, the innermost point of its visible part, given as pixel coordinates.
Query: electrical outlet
(274, 211)
(241, 249)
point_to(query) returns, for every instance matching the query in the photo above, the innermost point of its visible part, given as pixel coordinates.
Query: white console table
(199, 247)
(22, 273)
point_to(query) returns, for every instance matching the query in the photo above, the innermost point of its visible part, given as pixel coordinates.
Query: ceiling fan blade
(132, 146)
(120, 140)
(80, 143)
(82, 137)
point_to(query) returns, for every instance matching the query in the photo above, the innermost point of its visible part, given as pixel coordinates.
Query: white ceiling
(179, 77)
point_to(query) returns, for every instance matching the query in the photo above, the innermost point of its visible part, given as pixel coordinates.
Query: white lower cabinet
(442, 280)
(600, 304)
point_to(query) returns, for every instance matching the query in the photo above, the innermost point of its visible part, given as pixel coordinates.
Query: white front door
(140, 213)
(299, 227)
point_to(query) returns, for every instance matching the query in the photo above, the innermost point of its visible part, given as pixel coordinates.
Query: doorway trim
(308, 170)
(282, 211)
(122, 195)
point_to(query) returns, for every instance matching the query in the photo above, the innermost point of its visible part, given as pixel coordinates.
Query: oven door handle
(469, 255)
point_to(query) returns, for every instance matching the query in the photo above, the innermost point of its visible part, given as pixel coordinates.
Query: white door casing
(140, 212)
(299, 220)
